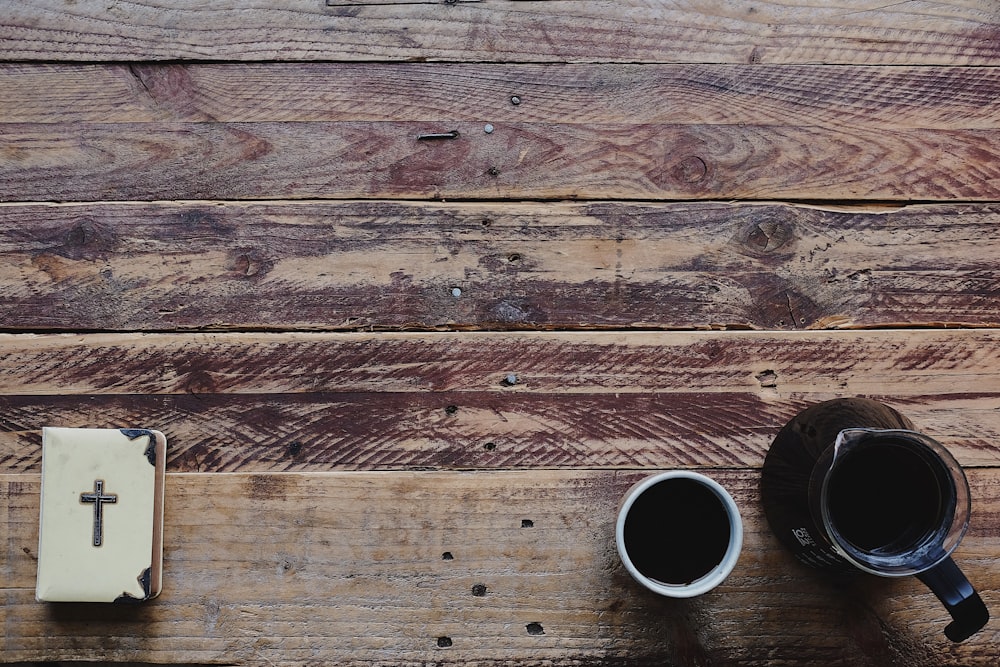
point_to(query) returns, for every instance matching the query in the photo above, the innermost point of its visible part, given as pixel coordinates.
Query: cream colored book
(100, 534)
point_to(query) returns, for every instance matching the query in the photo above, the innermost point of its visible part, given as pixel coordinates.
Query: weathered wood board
(382, 265)
(861, 32)
(279, 569)
(314, 402)
(681, 132)
(905, 363)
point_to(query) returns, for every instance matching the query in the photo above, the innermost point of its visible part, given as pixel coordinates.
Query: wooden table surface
(405, 380)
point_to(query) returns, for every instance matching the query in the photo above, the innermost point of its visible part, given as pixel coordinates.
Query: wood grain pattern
(299, 402)
(904, 363)
(220, 433)
(582, 132)
(348, 569)
(861, 32)
(837, 97)
(356, 384)
(363, 265)
(143, 161)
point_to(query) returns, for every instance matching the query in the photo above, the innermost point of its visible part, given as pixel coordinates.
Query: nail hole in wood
(451, 409)
(768, 379)
(479, 590)
(527, 523)
(490, 446)
(535, 629)
(447, 556)
(444, 642)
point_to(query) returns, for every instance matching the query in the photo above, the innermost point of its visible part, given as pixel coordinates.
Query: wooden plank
(469, 431)
(335, 131)
(349, 569)
(766, 95)
(298, 402)
(143, 161)
(861, 32)
(363, 265)
(891, 362)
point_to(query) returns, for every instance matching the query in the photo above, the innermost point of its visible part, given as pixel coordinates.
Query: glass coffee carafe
(849, 484)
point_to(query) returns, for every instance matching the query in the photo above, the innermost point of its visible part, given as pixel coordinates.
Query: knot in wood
(767, 237)
(88, 239)
(691, 169)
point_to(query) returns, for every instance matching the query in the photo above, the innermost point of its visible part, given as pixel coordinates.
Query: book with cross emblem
(101, 521)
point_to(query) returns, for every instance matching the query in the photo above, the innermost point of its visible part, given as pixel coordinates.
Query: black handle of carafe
(959, 598)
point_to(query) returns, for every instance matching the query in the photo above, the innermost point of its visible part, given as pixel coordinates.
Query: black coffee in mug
(679, 533)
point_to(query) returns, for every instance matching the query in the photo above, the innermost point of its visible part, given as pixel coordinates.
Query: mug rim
(713, 577)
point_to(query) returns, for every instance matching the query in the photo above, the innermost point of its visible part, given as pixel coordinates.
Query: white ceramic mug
(679, 533)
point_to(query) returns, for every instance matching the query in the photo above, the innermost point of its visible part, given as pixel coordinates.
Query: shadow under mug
(679, 533)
